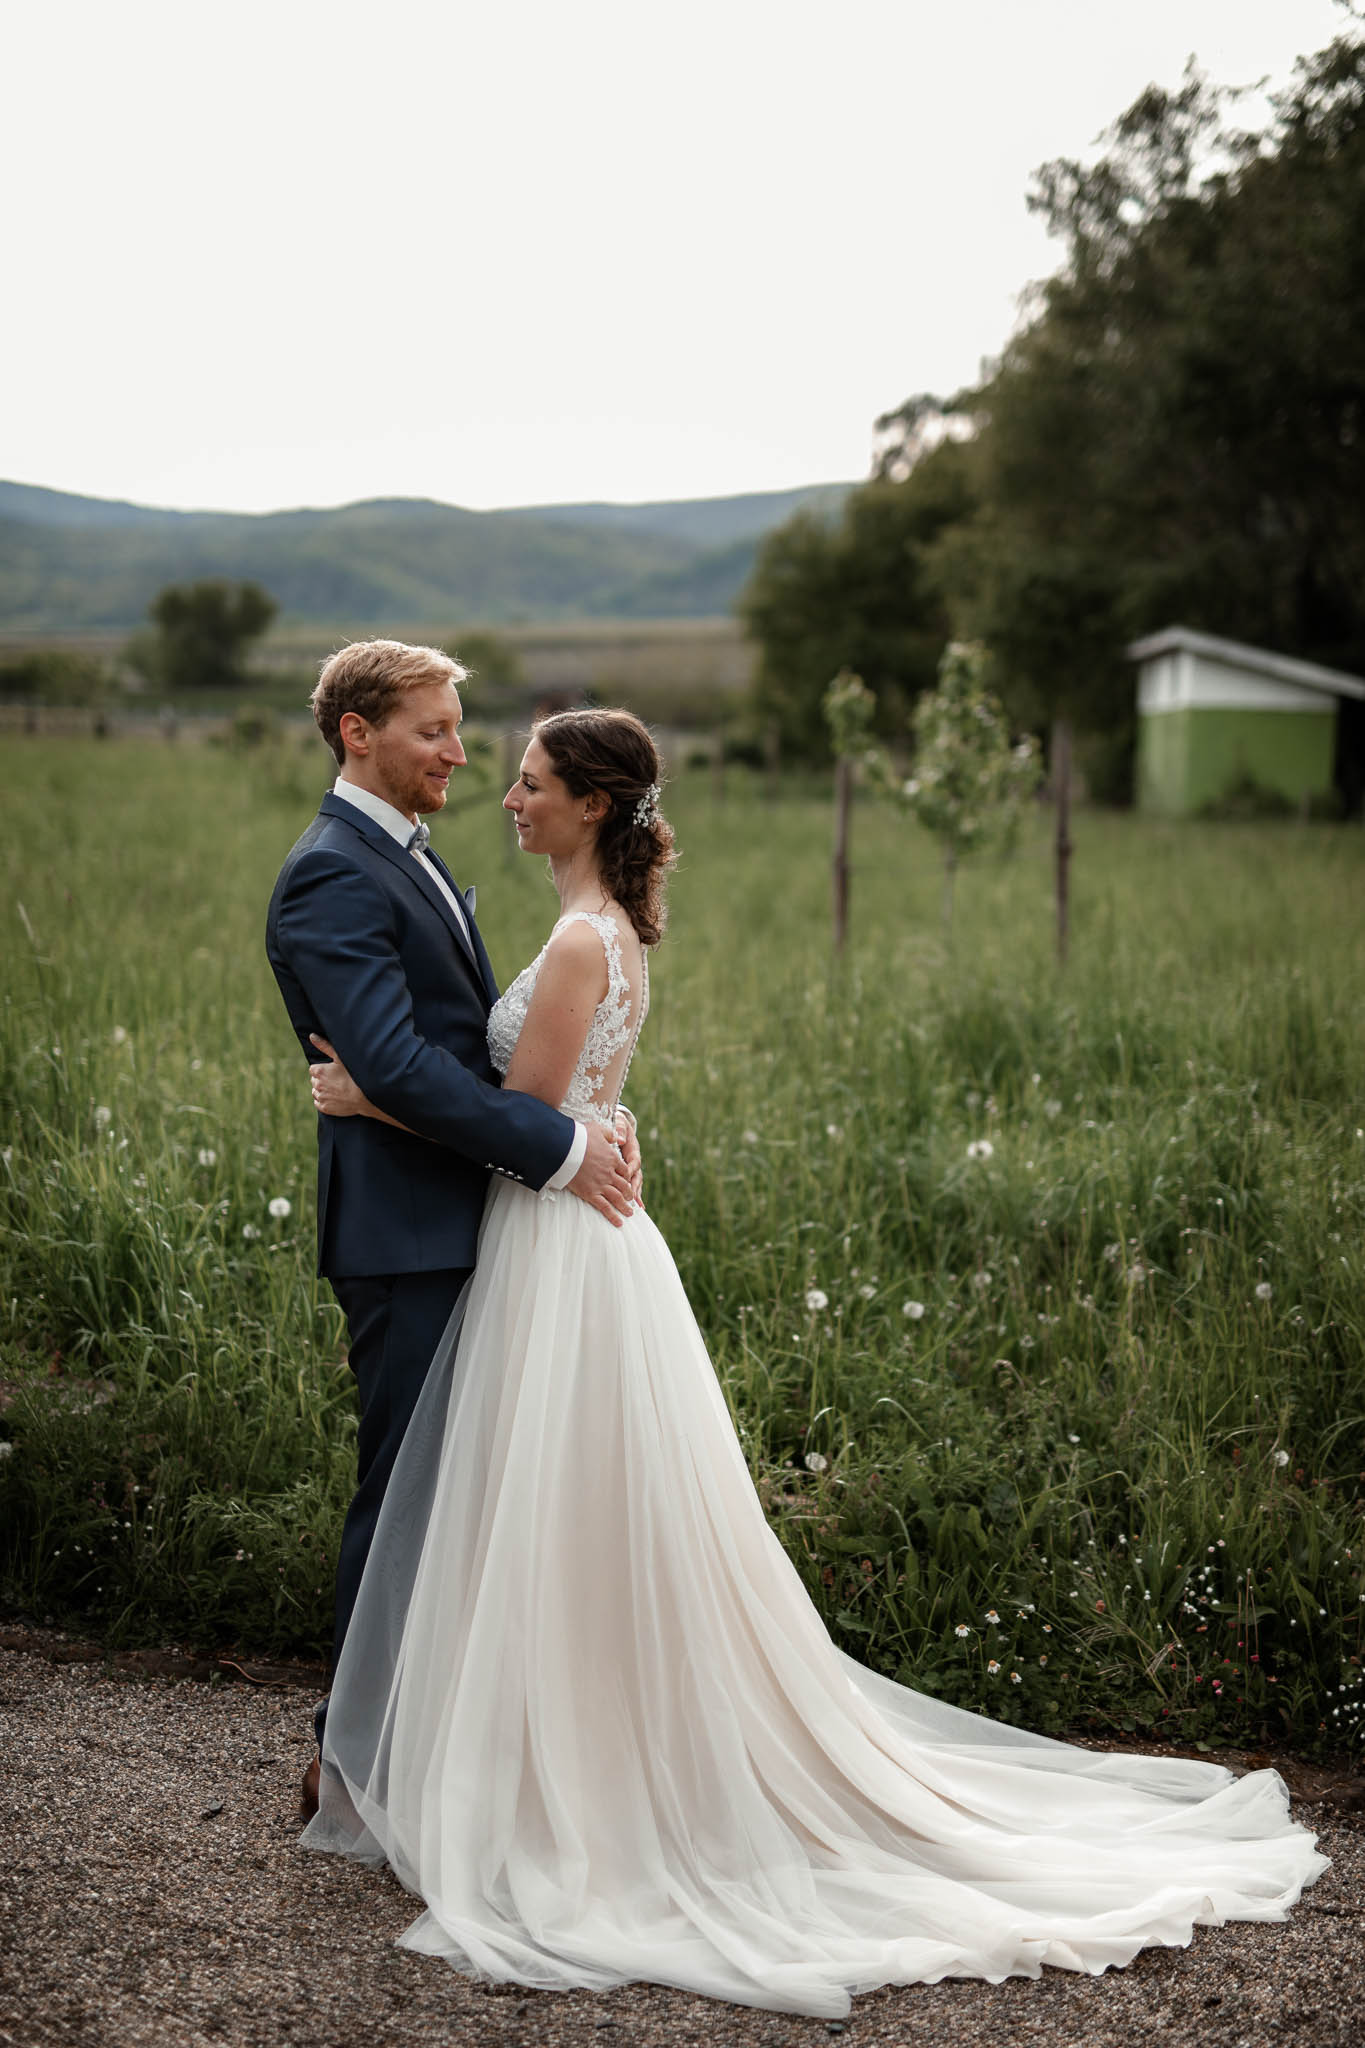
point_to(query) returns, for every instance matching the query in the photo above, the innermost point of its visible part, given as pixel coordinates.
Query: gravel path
(151, 1892)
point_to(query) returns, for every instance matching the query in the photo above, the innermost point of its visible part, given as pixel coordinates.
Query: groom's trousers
(396, 1321)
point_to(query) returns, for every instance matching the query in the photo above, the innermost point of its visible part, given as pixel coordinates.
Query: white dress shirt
(399, 828)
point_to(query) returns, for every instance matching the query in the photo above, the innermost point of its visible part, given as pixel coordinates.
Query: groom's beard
(412, 789)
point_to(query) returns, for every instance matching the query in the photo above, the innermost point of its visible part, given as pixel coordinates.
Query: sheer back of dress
(600, 1073)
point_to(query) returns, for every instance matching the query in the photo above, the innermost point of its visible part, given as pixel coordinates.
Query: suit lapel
(467, 896)
(384, 843)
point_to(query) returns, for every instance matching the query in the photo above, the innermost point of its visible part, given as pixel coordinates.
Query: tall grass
(1037, 1302)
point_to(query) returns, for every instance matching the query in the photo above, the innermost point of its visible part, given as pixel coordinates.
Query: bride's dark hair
(611, 753)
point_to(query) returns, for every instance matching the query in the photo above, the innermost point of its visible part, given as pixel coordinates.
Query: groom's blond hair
(369, 677)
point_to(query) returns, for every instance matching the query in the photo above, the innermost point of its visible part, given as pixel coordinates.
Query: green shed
(1213, 714)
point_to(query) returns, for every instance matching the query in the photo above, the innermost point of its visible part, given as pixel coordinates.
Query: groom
(376, 950)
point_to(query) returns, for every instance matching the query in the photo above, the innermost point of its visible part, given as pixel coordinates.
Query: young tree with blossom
(970, 781)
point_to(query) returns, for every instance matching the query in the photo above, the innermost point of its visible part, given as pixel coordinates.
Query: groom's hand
(603, 1180)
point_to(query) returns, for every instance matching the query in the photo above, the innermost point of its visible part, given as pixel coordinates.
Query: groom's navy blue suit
(369, 955)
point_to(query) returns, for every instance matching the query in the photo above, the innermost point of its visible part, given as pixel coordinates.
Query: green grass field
(1038, 1302)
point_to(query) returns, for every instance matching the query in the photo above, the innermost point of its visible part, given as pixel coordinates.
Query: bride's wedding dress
(587, 1711)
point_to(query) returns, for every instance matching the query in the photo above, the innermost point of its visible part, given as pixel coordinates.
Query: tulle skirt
(588, 1713)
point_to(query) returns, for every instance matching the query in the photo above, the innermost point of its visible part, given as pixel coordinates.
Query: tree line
(1175, 434)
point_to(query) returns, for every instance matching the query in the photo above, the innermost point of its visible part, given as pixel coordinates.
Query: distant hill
(69, 562)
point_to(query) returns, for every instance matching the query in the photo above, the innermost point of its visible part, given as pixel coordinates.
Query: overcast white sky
(278, 252)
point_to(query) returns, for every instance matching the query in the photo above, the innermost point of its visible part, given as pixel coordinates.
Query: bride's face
(549, 818)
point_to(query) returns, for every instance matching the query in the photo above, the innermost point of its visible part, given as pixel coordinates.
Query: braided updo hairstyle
(612, 754)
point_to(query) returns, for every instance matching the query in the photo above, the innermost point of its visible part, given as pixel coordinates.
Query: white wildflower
(104, 1116)
(992, 1616)
(1279, 1457)
(279, 1206)
(980, 1148)
(207, 1156)
(913, 1309)
(867, 1291)
(749, 1137)
(834, 1130)
(119, 1035)
(6, 1449)
(993, 1666)
(1264, 1290)
(816, 1299)
(250, 1231)
(816, 1461)
(962, 1629)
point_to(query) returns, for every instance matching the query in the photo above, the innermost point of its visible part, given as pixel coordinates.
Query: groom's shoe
(308, 1794)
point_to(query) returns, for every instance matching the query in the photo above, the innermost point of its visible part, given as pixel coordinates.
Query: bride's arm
(571, 983)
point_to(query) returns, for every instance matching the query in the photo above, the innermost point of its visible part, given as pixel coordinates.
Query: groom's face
(411, 755)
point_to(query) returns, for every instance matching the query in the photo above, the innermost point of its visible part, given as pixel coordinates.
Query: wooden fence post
(1061, 797)
(772, 760)
(511, 767)
(843, 808)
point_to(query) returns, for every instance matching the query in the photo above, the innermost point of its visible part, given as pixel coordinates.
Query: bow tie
(420, 840)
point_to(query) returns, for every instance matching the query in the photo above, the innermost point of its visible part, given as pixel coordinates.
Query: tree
(1176, 433)
(494, 666)
(969, 781)
(203, 631)
(859, 593)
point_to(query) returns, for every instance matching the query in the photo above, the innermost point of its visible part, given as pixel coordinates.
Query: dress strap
(605, 928)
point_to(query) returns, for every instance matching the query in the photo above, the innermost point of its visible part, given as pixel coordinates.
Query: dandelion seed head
(816, 1461)
(913, 1309)
(279, 1206)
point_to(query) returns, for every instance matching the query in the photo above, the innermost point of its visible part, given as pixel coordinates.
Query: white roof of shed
(1282, 668)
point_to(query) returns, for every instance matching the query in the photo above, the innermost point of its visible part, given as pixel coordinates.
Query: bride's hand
(334, 1092)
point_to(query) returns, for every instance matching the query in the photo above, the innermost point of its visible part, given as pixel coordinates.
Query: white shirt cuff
(574, 1160)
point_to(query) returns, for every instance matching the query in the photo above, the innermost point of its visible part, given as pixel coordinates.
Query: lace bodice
(600, 1073)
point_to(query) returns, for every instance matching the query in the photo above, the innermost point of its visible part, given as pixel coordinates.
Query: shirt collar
(394, 823)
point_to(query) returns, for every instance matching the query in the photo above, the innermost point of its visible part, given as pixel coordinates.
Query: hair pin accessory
(647, 810)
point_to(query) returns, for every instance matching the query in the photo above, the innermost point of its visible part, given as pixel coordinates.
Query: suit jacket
(368, 954)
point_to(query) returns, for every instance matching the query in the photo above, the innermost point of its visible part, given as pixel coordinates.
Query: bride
(586, 1709)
